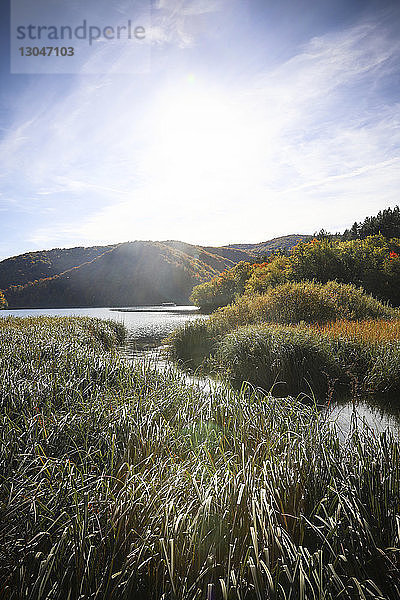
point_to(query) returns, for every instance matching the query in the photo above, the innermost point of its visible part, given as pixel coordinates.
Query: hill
(285, 242)
(127, 274)
(132, 273)
(19, 270)
(206, 253)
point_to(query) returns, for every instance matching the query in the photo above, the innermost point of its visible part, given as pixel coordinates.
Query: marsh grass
(119, 482)
(299, 337)
(298, 358)
(283, 359)
(289, 303)
(193, 342)
(374, 331)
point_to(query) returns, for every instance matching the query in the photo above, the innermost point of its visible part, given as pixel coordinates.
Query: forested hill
(206, 253)
(285, 242)
(27, 267)
(132, 273)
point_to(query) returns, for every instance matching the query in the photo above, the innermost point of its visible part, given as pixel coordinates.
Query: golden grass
(370, 331)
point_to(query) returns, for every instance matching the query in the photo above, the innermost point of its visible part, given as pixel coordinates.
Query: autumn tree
(3, 301)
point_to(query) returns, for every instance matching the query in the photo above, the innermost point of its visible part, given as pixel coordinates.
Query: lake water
(148, 326)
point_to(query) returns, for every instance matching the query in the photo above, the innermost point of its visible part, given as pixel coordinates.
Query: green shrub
(222, 289)
(269, 274)
(372, 263)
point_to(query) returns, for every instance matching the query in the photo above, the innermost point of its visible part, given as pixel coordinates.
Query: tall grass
(307, 302)
(191, 343)
(302, 359)
(118, 482)
(374, 331)
(282, 359)
(289, 303)
(299, 337)
(369, 352)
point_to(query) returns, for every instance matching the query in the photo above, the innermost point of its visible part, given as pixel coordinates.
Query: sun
(203, 140)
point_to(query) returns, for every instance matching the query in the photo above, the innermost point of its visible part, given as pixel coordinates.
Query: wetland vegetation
(299, 337)
(121, 482)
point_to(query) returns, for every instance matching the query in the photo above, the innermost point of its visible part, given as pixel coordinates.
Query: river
(148, 326)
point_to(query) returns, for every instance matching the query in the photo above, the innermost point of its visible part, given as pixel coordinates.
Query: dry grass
(368, 331)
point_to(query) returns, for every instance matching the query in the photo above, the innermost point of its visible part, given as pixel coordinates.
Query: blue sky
(256, 119)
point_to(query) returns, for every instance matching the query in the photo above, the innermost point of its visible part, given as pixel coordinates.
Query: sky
(253, 119)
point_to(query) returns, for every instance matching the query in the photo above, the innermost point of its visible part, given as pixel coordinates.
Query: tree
(223, 288)
(323, 234)
(386, 223)
(269, 274)
(3, 301)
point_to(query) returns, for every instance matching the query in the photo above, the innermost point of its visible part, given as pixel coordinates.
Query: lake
(148, 325)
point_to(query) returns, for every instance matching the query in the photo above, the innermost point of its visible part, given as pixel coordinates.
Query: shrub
(3, 301)
(304, 301)
(373, 263)
(269, 274)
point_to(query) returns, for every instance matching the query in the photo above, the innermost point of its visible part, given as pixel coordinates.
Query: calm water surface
(148, 326)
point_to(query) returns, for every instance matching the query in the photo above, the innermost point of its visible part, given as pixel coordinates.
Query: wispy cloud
(312, 142)
(181, 21)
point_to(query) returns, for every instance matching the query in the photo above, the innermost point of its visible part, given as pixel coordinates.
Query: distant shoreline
(150, 308)
(179, 309)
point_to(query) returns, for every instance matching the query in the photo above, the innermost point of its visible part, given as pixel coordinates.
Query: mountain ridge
(283, 242)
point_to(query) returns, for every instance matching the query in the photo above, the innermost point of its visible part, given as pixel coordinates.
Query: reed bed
(281, 359)
(117, 482)
(299, 338)
(369, 331)
(294, 359)
(303, 302)
(308, 302)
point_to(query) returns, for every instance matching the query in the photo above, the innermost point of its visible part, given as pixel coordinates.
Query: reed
(302, 337)
(279, 358)
(305, 301)
(117, 482)
(294, 359)
(374, 331)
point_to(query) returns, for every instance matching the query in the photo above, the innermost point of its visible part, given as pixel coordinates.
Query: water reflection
(372, 415)
(157, 358)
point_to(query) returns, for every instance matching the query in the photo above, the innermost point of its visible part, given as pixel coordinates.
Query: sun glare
(203, 140)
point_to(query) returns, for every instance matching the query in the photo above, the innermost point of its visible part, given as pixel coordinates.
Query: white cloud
(312, 143)
(181, 21)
